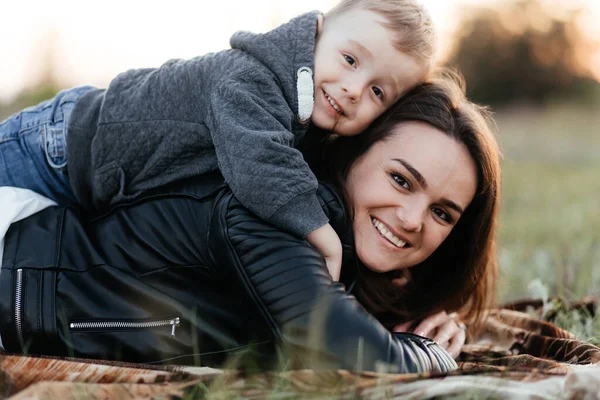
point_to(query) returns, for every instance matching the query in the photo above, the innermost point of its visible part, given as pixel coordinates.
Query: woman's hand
(327, 242)
(446, 329)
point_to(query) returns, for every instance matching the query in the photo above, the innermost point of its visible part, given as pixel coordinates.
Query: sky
(90, 42)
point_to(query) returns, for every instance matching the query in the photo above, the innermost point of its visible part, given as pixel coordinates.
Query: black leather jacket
(188, 277)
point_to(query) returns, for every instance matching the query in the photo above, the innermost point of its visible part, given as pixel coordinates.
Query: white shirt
(15, 205)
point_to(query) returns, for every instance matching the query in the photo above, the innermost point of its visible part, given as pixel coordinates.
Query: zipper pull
(174, 324)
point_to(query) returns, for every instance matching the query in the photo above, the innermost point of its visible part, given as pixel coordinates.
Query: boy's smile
(358, 72)
(335, 109)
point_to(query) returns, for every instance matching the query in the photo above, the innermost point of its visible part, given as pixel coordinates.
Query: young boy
(242, 111)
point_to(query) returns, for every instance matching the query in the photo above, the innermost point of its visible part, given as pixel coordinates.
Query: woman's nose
(410, 217)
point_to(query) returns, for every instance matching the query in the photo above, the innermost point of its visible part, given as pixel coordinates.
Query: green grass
(550, 214)
(579, 322)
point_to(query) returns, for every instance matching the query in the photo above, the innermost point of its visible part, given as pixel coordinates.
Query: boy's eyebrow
(360, 48)
(363, 50)
(421, 179)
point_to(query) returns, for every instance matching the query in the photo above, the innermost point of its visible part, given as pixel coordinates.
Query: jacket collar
(289, 52)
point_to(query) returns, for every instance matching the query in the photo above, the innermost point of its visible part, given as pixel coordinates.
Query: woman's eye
(401, 181)
(442, 214)
(377, 92)
(350, 60)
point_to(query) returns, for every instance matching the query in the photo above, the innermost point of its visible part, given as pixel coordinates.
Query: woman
(192, 276)
(460, 274)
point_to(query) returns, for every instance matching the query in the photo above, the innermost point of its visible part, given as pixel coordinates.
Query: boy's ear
(319, 23)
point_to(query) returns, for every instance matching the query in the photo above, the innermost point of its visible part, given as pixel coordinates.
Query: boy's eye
(377, 92)
(442, 214)
(350, 60)
(400, 180)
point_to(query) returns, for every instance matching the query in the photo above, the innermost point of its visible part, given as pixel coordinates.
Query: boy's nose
(353, 90)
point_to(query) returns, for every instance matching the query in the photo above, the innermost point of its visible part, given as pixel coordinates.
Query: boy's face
(358, 72)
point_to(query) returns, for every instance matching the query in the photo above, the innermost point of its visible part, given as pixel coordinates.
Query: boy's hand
(327, 242)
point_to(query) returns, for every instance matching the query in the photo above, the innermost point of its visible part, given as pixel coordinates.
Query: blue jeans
(33, 147)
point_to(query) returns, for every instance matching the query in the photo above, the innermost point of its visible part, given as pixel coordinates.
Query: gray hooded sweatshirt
(236, 110)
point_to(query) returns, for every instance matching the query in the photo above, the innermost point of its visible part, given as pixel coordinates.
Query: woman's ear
(401, 278)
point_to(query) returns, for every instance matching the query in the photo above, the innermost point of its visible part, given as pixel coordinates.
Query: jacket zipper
(173, 322)
(19, 311)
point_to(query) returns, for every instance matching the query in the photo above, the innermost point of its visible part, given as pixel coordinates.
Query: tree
(519, 52)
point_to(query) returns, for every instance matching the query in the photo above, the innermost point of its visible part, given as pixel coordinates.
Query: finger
(446, 332)
(429, 324)
(456, 343)
(403, 327)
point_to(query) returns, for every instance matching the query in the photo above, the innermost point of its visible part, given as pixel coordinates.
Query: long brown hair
(461, 274)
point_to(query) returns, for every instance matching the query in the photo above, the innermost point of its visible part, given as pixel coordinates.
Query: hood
(286, 50)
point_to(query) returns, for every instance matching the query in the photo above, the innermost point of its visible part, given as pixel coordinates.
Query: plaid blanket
(518, 354)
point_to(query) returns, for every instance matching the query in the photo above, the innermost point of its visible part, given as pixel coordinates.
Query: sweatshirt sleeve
(315, 318)
(251, 128)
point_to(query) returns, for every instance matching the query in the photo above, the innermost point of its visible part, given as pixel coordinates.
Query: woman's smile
(407, 193)
(388, 236)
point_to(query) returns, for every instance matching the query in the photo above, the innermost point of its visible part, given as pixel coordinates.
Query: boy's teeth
(387, 234)
(335, 106)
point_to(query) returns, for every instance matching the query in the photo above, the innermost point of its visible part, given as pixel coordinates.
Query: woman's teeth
(333, 104)
(387, 234)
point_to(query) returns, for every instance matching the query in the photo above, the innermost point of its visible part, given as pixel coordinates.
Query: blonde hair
(408, 20)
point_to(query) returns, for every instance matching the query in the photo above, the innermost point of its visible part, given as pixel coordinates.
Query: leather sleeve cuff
(301, 215)
(423, 355)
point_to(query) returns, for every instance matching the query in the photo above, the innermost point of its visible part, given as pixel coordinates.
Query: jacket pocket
(104, 325)
(32, 311)
(19, 309)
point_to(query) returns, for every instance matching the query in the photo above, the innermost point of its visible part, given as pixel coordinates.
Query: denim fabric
(33, 147)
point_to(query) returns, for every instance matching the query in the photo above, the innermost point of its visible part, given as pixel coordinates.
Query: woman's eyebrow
(452, 205)
(416, 174)
(421, 179)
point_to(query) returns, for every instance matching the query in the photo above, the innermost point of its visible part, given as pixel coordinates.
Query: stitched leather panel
(311, 314)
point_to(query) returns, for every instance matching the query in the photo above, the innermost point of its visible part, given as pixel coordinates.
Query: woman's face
(407, 193)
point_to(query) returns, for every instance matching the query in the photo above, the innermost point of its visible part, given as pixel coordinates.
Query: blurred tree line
(520, 52)
(516, 51)
(42, 86)
(30, 96)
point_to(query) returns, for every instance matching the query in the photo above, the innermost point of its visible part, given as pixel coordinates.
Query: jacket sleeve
(307, 312)
(251, 127)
